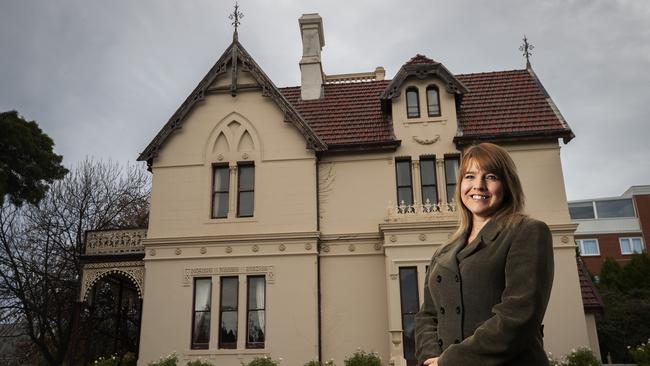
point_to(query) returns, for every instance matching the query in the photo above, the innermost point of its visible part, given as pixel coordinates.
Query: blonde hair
(494, 159)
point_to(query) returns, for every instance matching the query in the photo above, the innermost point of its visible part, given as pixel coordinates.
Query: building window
(412, 103)
(451, 176)
(408, 283)
(615, 208)
(255, 311)
(581, 210)
(245, 190)
(631, 245)
(404, 182)
(588, 247)
(201, 313)
(433, 101)
(229, 298)
(220, 188)
(428, 180)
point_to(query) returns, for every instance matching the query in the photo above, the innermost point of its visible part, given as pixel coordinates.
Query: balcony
(418, 212)
(115, 242)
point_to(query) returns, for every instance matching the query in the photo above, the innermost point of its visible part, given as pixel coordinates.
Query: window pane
(408, 327)
(228, 328)
(412, 104)
(615, 208)
(589, 247)
(256, 326)
(429, 193)
(229, 291)
(428, 172)
(406, 195)
(246, 177)
(433, 105)
(451, 189)
(409, 289)
(581, 210)
(625, 246)
(403, 172)
(637, 246)
(451, 170)
(221, 179)
(245, 204)
(201, 332)
(202, 294)
(256, 292)
(220, 205)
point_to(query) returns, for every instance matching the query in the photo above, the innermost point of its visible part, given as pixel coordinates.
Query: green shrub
(263, 361)
(111, 361)
(169, 360)
(363, 358)
(199, 362)
(578, 357)
(641, 353)
(318, 363)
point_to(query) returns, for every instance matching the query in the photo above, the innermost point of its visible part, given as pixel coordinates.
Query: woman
(486, 291)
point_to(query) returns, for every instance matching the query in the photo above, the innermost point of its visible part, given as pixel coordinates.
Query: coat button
(438, 278)
(457, 309)
(440, 342)
(457, 278)
(442, 310)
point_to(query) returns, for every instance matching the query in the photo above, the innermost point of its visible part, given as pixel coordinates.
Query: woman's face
(481, 191)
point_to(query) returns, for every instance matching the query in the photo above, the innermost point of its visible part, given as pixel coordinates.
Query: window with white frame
(588, 247)
(631, 245)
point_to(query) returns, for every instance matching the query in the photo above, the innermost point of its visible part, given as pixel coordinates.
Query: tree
(626, 293)
(27, 164)
(39, 246)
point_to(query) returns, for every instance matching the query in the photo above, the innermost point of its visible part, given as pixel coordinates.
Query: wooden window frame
(410, 186)
(435, 179)
(214, 192)
(417, 101)
(433, 87)
(254, 345)
(194, 311)
(221, 344)
(240, 191)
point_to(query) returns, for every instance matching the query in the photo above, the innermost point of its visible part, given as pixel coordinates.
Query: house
(612, 227)
(298, 222)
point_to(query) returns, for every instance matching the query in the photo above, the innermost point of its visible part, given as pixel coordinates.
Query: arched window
(433, 101)
(412, 103)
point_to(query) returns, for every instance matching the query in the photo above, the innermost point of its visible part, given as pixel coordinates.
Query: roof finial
(526, 48)
(235, 17)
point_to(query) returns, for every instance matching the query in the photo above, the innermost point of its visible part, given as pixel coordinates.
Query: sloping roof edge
(421, 71)
(569, 135)
(234, 52)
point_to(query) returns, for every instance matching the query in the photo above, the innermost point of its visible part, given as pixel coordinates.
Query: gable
(227, 66)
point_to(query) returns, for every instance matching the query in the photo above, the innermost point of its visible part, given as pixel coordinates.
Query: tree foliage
(626, 294)
(39, 248)
(27, 163)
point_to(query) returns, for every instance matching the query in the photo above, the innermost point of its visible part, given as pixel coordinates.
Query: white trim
(630, 238)
(581, 242)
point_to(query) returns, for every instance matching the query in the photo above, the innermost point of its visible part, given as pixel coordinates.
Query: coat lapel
(487, 235)
(447, 258)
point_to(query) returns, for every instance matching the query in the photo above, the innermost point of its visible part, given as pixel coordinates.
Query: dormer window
(412, 103)
(433, 101)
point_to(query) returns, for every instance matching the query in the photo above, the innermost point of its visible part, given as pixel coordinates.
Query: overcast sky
(102, 77)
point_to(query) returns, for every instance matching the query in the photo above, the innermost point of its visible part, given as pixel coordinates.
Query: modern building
(298, 222)
(612, 227)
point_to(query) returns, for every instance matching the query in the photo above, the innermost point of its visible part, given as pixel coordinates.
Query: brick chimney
(311, 71)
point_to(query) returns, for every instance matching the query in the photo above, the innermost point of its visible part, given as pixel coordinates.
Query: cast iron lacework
(420, 210)
(115, 241)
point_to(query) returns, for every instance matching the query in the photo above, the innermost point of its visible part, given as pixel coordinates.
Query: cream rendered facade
(323, 233)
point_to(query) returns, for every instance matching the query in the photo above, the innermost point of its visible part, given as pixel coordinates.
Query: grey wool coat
(484, 302)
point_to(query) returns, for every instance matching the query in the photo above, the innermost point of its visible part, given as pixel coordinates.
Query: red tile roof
(502, 104)
(591, 300)
(349, 114)
(506, 103)
(420, 59)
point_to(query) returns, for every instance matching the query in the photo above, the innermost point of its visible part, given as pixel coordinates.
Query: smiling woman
(486, 291)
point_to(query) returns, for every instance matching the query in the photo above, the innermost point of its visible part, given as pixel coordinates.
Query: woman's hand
(431, 362)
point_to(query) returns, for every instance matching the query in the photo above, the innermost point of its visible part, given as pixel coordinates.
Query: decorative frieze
(115, 241)
(189, 273)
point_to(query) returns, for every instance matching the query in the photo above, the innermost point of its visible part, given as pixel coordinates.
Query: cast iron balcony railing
(421, 211)
(127, 241)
